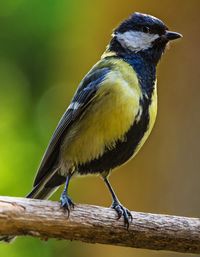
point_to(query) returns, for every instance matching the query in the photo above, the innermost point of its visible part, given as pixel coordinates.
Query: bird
(111, 113)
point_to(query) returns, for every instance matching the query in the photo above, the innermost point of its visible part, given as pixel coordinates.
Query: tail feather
(43, 193)
(42, 190)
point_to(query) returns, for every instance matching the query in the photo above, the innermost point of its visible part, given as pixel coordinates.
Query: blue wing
(80, 102)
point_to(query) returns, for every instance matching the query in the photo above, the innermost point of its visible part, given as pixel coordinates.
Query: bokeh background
(46, 47)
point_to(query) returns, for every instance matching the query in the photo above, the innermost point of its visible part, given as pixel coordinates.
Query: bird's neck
(143, 62)
(146, 72)
(151, 55)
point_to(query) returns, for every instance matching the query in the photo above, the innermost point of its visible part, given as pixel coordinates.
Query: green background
(46, 47)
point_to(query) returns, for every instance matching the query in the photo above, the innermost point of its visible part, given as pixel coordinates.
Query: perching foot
(66, 203)
(122, 211)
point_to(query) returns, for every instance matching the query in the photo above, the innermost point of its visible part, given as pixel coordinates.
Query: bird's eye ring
(146, 29)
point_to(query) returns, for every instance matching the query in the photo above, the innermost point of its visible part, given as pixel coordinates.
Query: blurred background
(46, 47)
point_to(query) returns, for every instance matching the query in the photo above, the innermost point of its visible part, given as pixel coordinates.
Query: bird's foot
(66, 203)
(121, 210)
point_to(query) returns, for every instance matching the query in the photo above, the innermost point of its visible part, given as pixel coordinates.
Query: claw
(121, 210)
(66, 203)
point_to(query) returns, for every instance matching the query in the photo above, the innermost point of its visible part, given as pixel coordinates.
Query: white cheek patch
(136, 40)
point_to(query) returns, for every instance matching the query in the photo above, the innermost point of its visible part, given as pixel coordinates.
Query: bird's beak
(170, 35)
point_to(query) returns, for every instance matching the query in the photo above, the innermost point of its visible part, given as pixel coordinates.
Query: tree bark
(93, 224)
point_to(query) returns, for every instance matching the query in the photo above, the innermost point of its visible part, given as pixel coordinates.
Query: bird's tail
(43, 190)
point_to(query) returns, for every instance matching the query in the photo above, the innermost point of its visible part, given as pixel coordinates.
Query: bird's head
(142, 33)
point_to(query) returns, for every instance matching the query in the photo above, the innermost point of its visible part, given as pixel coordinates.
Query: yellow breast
(107, 119)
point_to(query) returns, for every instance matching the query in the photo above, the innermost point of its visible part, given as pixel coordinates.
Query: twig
(93, 224)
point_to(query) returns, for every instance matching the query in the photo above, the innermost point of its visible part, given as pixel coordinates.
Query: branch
(93, 224)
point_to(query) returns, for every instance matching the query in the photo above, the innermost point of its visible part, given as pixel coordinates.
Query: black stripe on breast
(123, 149)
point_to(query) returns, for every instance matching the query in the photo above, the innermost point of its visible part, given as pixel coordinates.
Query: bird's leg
(65, 200)
(118, 207)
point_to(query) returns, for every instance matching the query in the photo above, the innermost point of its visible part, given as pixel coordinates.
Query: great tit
(111, 114)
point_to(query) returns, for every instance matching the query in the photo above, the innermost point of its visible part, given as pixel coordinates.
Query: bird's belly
(107, 121)
(128, 148)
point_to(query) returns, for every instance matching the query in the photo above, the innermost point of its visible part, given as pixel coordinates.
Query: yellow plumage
(112, 112)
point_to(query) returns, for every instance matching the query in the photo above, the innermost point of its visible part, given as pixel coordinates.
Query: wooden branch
(93, 224)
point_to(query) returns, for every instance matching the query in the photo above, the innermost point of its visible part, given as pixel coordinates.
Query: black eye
(146, 29)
